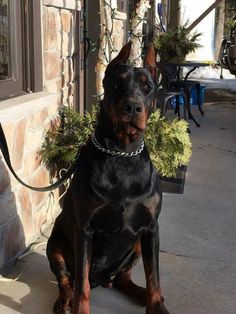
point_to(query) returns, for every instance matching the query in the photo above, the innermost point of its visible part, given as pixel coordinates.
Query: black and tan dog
(110, 212)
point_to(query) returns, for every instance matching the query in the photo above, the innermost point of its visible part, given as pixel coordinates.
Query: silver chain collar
(113, 152)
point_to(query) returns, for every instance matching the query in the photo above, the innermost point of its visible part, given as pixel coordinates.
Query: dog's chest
(120, 180)
(127, 191)
(129, 219)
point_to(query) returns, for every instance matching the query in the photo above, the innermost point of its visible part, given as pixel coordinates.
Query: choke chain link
(113, 152)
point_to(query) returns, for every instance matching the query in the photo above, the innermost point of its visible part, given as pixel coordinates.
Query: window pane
(4, 40)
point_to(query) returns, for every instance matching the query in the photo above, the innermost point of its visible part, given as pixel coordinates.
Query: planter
(175, 44)
(174, 185)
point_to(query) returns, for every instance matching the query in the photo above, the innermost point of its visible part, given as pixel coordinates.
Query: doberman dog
(110, 211)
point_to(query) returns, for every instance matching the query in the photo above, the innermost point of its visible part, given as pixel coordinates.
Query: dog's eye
(118, 84)
(146, 87)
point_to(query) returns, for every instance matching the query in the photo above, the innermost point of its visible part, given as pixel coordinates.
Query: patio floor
(198, 234)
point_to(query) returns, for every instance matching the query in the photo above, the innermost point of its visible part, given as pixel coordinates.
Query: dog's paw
(63, 306)
(158, 308)
(60, 308)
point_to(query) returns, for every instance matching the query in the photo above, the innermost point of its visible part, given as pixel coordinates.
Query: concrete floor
(198, 237)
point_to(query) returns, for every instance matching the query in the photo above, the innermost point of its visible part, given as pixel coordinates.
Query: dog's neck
(106, 136)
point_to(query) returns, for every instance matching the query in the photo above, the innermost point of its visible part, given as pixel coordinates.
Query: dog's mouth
(130, 128)
(127, 125)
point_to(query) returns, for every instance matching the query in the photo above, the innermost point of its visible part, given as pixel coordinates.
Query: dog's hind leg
(58, 266)
(124, 283)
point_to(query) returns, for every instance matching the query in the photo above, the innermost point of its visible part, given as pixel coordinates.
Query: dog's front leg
(83, 243)
(150, 255)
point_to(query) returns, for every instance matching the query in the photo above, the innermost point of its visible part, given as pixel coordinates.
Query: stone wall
(25, 213)
(119, 30)
(59, 33)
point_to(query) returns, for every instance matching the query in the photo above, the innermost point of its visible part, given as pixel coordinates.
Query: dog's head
(129, 94)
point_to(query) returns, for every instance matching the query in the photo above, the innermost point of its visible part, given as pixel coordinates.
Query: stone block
(69, 71)
(40, 178)
(66, 20)
(40, 219)
(54, 86)
(52, 65)
(4, 178)
(36, 119)
(23, 197)
(19, 142)
(70, 100)
(50, 28)
(7, 206)
(9, 130)
(65, 94)
(31, 162)
(66, 45)
(12, 242)
(118, 35)
(59, 41)
(34, 139)
(71, 43)
(53, 109)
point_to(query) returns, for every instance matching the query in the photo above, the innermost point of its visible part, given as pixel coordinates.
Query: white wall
(190, 11)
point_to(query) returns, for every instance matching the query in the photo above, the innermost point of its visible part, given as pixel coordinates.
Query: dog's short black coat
(110, 211)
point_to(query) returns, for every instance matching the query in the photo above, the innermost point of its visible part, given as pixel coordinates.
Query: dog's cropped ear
(121, 58)
(150, 61)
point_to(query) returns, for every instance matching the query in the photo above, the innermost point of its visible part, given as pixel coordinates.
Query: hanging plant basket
(168, 142)
(174, 45)
(174, 184)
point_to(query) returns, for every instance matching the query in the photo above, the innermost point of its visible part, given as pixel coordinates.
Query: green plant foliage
(168, 142)
(230, 17)
(174, 45)
(65, 136)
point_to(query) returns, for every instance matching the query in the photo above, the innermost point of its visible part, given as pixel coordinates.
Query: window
(20, 47)
(4, 48)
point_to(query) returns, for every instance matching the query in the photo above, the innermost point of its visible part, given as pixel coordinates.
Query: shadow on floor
(36, 290)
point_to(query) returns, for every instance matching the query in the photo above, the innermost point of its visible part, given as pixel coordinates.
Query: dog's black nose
(133, 108)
